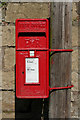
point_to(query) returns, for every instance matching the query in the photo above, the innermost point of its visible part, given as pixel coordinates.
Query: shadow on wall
(29, 109)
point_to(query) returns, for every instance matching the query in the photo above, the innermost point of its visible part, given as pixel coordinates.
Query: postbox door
(32, 74)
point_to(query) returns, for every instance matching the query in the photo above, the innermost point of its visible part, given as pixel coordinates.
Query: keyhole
(22, 72)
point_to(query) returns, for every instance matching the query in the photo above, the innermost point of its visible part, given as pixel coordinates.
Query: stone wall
(10, 12)
(75, 62)
(0, 63)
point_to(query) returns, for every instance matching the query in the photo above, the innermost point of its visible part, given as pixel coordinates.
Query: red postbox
(32, 58)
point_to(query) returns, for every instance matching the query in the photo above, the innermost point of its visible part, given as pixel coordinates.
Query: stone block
(74, 104)
(79, 103)
(0, 15)
(75, 60)
(8, 101)
(75, 81)
(0, 79)
(74, 13)
(0, 96)
(8, 115)
(74, 96)
(0, 30)
(26, 10)
(8, 80)
(79, 39)
(0, 116)
(0, 109)
(79, 81)
(0, 41)
(8, 35)
(9, 58)
(0, 58)
(74, 36)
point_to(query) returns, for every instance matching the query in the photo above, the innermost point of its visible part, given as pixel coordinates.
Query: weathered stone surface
(8, 101)
(8, 36)
(79, 82)
(0, 116)
(0, 14)
(0, 41)
(79, 103)
(0, 79)
(8, 115)
(74, 96)
(0, 104)
(75, 81)
(75, 64)
(79, 37)
(0, 58)
(0, 31)
(74, 36)
(9, 58)
(75, 60)
(74, 104)
(8, 80)
(26, 10)
(0, 109)
(74, 15)
(4, 11)
(0, 97)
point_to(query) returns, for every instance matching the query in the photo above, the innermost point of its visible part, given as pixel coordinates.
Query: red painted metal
(32, 35)
(50, 50)
(60, 50)
(25, 30)
(60, 88)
